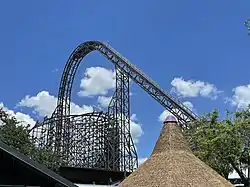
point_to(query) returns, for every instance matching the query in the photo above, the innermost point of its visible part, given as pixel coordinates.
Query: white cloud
(192, 88)
(241, 96)
(135, 130)
(133, 117)
(163, 115)
(97, 81)
(104, 101)
(76, 109)
(189, 105)
(55, 70)
(24, 119)
(166, 113)
(141, 160)
(44, 104)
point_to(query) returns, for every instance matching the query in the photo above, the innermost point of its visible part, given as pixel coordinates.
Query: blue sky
(171, 41)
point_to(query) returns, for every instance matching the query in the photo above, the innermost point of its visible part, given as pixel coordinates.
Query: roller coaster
(101, 140)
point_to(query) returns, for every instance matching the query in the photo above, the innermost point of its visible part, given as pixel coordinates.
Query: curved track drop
(115, 149)
(174, 106)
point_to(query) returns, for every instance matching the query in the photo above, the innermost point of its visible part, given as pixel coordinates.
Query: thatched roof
(172, 164)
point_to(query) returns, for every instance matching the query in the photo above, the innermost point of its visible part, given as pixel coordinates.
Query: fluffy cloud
(44, 104)
(104, 101)
(241, 96)
(192, 88)
(97, 81)
(141, 160)
(133, 117)
(135, 129)
(24, 119)
(165, 113)
(189, 105)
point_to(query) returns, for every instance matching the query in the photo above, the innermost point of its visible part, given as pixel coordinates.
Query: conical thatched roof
(172, 164)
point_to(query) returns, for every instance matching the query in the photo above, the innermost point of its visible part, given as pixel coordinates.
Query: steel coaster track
(176, 107)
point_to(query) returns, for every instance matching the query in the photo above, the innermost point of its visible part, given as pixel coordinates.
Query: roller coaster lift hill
(101, 140)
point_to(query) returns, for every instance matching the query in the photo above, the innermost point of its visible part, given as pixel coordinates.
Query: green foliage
(222, 144)
(247, 24)
(14, 134)
(47, 158)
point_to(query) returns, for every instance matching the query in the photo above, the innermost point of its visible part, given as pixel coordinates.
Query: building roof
(29, 172)
(172, 163)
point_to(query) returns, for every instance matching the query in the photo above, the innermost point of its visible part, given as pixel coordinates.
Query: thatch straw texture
(172, 164)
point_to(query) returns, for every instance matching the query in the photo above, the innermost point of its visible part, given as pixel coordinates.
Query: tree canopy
(16, 135)
(222, 144)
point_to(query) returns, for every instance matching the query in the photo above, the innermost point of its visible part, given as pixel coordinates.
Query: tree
(247, 24)
(222, 144)
(14, 134)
